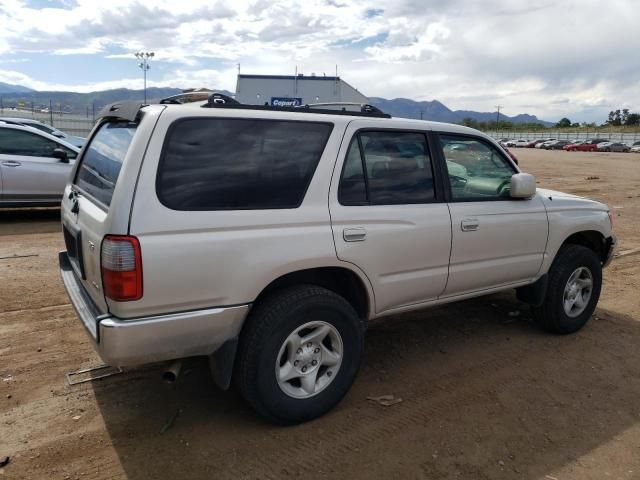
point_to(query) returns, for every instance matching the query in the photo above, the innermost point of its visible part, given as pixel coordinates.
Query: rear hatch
(87, 206)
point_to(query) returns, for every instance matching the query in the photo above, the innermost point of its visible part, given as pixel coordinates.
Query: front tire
(299, 353)
(575, 280)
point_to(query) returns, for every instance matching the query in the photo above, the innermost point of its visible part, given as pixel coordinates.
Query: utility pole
(144, 65)
(498, 107)
(421, 114)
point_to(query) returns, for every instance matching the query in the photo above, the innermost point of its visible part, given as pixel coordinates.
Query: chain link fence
(628, 137)
(73, 124)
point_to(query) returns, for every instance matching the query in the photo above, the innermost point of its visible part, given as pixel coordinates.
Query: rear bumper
(122, 343)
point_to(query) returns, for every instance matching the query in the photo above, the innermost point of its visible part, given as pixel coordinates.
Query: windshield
(101, 163)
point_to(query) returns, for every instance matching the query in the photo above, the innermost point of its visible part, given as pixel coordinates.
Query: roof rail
(364, 107)
(218, 100)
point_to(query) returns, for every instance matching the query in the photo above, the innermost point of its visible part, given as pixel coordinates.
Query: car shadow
(14, 221)
(484, 393)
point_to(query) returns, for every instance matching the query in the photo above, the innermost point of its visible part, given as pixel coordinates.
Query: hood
(554, 200)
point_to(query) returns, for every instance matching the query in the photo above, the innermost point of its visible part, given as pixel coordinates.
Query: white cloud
(470, 55)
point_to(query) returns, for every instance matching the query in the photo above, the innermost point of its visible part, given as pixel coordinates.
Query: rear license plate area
(73, 242)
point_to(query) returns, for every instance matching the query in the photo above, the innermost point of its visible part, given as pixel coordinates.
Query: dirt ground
(485, 394)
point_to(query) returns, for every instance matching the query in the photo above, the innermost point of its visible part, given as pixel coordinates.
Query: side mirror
(61, 154)
(523, 185)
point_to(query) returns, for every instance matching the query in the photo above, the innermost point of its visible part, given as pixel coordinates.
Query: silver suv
(265, 238)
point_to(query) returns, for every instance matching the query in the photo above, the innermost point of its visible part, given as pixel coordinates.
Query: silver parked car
(30, 122)
(34, 166)
(612, 147)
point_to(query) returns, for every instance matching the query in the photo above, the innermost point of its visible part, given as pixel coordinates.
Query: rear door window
(239, 164)
(27, 144)
(102, 160)
(387, 168)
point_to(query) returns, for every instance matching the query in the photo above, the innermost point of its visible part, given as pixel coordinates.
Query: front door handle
(11, 163)
(469, 224)
(354, 234)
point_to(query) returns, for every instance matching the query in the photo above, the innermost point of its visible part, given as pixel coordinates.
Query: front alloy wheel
(577, 292)
(573, 290)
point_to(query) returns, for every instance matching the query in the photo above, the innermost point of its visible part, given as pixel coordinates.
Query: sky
(550, 58)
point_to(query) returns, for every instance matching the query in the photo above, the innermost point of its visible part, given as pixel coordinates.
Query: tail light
(121, 268)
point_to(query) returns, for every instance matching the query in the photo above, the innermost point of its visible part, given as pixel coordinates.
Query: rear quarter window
(101, 163)
(239, 164)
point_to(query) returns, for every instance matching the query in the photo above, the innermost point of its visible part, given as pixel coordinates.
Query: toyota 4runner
(265, 238)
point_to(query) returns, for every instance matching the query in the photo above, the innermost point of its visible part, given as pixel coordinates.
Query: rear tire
(575, 280)
(299, 353)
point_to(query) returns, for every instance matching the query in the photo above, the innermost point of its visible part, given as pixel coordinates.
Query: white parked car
(266, 238)
(30, 122)
(544, 143)
(34, 166)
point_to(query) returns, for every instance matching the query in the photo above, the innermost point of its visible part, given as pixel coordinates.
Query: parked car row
(591, 145)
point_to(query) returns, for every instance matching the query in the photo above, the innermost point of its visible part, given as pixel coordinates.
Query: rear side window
(387, 168)
(239, 164)
(19, 142)
(102, 159)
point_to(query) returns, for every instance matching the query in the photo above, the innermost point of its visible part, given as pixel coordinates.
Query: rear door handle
(354, 234)
(11, 163)
(469, 224)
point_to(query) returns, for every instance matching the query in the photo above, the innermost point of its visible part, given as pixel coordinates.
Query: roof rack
(363, 107)
(218, 100)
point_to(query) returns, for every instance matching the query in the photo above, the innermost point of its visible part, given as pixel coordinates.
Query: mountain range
(437, 111)
(74, 102)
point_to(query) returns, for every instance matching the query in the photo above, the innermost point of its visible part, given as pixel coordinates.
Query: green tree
(563, 123)
(470, 122)
(633, 119)
(625, 116)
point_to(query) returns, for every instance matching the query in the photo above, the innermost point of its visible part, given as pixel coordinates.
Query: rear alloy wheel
(299, 353)
(575, 280)
(309, 359)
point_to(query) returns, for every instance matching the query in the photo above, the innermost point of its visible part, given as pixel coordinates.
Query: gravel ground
(485, 395)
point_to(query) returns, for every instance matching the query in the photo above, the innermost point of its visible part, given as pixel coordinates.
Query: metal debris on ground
(169, 423)
(19, 256)
(385, 400)
(92, 373)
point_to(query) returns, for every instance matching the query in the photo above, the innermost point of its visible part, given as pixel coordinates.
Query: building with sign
(294, 90)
